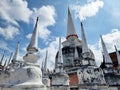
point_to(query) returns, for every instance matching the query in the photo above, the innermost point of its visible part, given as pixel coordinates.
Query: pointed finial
(32, 49)
(45, 63)
(108, 60)
(16, 54)
(70, 26)
(2, 58)
(33, 46)
(84, 42)
(42, 67)
(118, 55)
(5, 62)
(59, 63)
(10, 58)
(60, 56)
(69, 11)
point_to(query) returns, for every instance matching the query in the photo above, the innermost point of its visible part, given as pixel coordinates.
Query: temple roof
(105, 53)
(33, 46)
(70, 26)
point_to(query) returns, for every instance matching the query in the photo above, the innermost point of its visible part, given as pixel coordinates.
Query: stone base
(16, 88)
(60, 79)
(91, 75)
(60, 88)
(114, 88)
(93, 87)
(46, 81)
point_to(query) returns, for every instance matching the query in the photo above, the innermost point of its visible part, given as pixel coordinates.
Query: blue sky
(17, 19)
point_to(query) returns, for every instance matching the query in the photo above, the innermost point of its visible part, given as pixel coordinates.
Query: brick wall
(73, 79)
(114, 58)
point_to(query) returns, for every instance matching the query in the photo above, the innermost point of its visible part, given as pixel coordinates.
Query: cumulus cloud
(4, 45)
(110, 39)
(15, 10)
(88, 10)
(12, 11)
(9, 32)
(46, 16)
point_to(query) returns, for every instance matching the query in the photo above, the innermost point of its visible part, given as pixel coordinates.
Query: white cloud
(46, 16)
(97, 53)
(9, 32)
(110, 39)
(4, 45)
(29, 36)
(88, 10)
(15, 10)
(52, 50)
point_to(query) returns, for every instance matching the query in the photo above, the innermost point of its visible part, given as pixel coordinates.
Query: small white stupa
(45, 77)
(60, 79)
(89, 75)
(88, 58)
(32, 49)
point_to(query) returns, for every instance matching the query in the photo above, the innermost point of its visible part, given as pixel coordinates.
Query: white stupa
(89, 75)
(32, 49)
(45, 75)
(60, 79)
(88, 57)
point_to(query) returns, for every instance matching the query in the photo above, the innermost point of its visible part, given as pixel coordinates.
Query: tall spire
(60, 56)
(84, 42)
(10, 58)
(5, 63)
(118, 55)
(108, 60)
(2, 58)
(70, 26)
(45, 63)
(16, 54)
(102, 66)
(103, 57)
(42, 66)
(33, 46)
